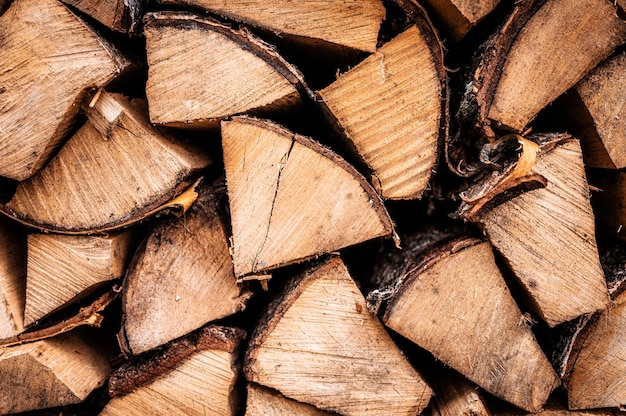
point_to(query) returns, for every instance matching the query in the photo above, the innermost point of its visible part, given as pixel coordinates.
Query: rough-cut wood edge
(87, 315)
(145, 368)
(125, 22)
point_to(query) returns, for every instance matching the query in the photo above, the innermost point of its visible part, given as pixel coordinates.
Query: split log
(44, 78)
(225, 72)
(181, 278)
(292, 199)
(265, 402)
(459, 16)
(113, 172)
(62, 269)
(317, 343)
(456, 396)
(406, 78)
(54, 372)
(12, 279)
(452, 301)
(192, 376)
(332, 24)
(118, 15)
(547, 235)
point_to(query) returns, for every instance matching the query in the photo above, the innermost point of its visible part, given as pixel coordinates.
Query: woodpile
(352, 207)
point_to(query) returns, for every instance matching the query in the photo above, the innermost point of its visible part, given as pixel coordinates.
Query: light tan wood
(603, 93)
(461, 15)
(402, 79)
(347, 23)
(43, 79)
(100, 182)
(547, 237)
(12, 279)
(539, 65)
(54, 372)
(291, 199)
(265, 402)
(226, 72)
(456, 305)
(61, 269)
(456, 396)
(181, 278)
(119, 15)
(555, 408)
(319, 344)
(194, 376)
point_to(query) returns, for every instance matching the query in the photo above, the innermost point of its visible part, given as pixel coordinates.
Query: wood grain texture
(319, 344)
(456, 396)
(547, 237)
(458, 307)
(63, 268)
(461, 15)
(12, 280)
(402, 79)
(348, 23)
(54, 372)
(265, 402)
(180, 279)
(291, 199)
(99, 183)
(43, 79)
(119, 15)
(219, 72)
(534, 73)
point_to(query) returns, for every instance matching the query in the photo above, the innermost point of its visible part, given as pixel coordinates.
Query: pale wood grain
(265, 402)
(461, 15)
(119, 15)
(12, 280)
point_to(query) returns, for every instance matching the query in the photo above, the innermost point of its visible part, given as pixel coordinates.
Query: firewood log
(456, 396)
(122, 16)
(12, 279)
(460, 16)
(262, 401)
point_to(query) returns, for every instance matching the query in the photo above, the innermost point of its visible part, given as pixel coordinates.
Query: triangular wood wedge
(12, 280)
(192, 376)
(119, 15)
(181, 278)
(114, 171)
(406, 78)
(350, 24)
(292, 199)
(547, 235)
(226, 72)
(43, 78)
(63, 268)
(455, 395)
(543, 49)
(453, 301)
(318, 344)
(265, 402)
(459, 16)
(54, 372)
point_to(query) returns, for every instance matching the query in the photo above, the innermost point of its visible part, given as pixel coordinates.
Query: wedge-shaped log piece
(547, 235)
(12, 280)
(460, 16)
(542, 50)
(603, 95)
(453, 301)
(406, 78)
(54, 372)
(180, 279)
(119, 15)
(328, 23)
(225, 72)
(455, 395)
(50, 58)
(265, 402)
(319, 344)
(64, 268)
(192, 376)
(114, 171)
(292, 199)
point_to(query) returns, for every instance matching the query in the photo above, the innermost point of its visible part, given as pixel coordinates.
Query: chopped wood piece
(119, 15)
(44, 76)
(460, 16)
(12, 280)
(54, 372)
(554, 408)
(405, 78)
(319, 344)
(327, 23)
(102, 181)
(453, 302)
(64, 268)
(180, 279)
(455, 396)
(192, 376)
(547, 235)
(225, 72)
(292, 199)
(265, 402)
